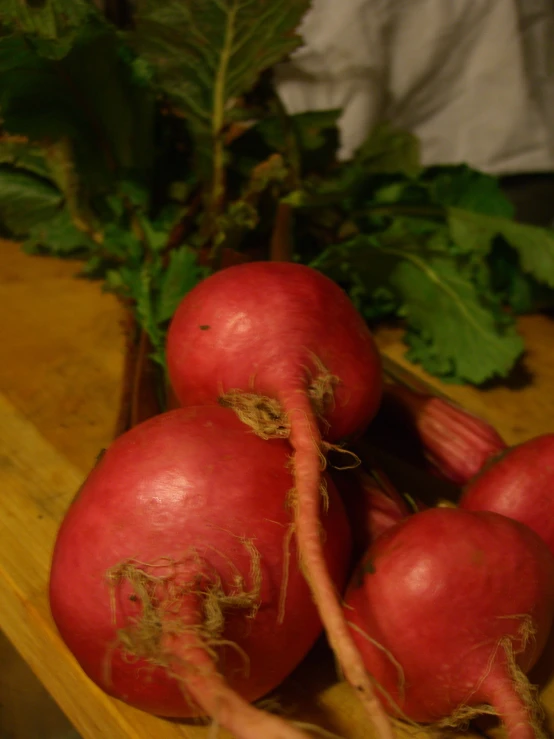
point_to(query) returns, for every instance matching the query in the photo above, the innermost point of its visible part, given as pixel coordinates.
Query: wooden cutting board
(60, 379)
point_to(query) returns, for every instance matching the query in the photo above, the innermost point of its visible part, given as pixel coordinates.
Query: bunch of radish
(452, 607)
(210, 545)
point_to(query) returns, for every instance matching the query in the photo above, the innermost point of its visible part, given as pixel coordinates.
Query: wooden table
(60, 377)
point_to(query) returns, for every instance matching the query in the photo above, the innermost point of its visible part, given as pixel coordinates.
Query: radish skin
(450, 609)
(434, 434)
(519, 484)
(285, 332)
(167, 571)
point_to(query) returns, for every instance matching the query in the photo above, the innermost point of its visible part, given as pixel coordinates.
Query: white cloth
(472, 79)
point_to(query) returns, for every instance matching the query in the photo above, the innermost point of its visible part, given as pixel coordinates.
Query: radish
(434, 433)
(519, 484)
(284, 346)
(450, 609)
(372, 505)
(168, 580)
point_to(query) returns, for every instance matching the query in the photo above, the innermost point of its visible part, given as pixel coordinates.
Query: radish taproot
(167, 579)
(520, 484)
(284, 346)
(450, 610)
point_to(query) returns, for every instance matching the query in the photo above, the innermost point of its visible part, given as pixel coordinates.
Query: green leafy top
(437, 248)
(163, 152)
(50, 26)
(205, 55)
(452, 328)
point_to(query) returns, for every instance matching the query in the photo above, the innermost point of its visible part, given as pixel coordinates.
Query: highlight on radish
(175, 578)
(450, 610)
(283, 345)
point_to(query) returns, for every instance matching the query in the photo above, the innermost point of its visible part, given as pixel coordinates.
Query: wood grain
(60, 380)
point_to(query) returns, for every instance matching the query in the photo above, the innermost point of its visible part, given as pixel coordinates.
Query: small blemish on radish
(369, 567)
(204, 327)
(478, 557)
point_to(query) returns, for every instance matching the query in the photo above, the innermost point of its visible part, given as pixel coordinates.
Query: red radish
(372, 505)
(287, 336)
(170, 562)
(450, 609)
(421, 426)
(519, 484)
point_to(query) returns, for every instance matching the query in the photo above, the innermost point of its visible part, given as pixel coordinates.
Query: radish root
(321, 389)
(306, 441)
(162, 596)
(267, 419)
(294, 417)
(390, 656)
(286, 569)
(462, 716)
(180, 624)
(527, 692)
(355, 461)
(522, 691)
(264, 415)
